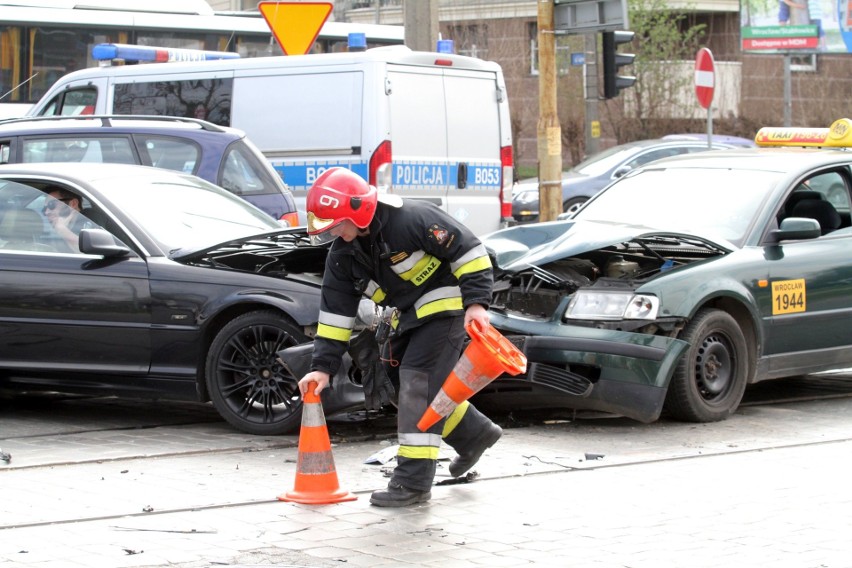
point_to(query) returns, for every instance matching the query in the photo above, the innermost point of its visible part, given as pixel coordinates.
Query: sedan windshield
(722, 202)
(188, 214)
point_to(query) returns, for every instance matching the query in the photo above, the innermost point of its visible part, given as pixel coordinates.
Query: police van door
(445, 141)
(473, 148)
(418, 134)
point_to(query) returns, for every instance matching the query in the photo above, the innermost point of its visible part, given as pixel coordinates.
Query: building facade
(752, 89)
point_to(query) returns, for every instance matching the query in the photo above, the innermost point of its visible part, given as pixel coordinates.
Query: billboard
(796, 26)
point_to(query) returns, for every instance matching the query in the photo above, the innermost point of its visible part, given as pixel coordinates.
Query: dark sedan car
(684, 281)
(178, 289)
(593, 174)
(220, 155)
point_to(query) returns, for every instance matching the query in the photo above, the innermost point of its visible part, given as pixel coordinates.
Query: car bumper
(524, 215)
(343, 396)
(581, 368)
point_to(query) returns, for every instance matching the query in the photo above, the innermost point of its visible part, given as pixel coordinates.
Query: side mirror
(621, 171)
(796, 228)
(101, 243)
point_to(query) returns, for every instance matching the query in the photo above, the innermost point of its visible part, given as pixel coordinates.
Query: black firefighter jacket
(415, 258)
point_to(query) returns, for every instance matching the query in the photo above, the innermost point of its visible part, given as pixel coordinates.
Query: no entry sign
(705, 77)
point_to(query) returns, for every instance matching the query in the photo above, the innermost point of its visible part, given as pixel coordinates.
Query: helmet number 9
(329, 201)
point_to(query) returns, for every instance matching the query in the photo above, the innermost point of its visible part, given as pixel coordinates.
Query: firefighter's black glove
(378, 389)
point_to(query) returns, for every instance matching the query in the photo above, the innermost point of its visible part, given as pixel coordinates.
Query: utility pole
(788, 92)
(593, 125)
(549, 129)
(421, 24)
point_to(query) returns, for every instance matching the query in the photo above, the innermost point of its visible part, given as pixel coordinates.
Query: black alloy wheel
(247, 382)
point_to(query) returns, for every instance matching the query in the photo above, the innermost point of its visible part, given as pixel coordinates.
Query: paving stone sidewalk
(737, 493)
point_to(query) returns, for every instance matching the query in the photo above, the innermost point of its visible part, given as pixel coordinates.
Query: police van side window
(206, 99)
(72, 103)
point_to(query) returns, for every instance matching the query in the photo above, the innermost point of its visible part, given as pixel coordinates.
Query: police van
(425, 125)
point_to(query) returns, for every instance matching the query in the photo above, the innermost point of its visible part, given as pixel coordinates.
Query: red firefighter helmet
(337, 195)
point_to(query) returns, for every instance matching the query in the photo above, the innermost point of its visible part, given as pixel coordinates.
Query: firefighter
(412, 256)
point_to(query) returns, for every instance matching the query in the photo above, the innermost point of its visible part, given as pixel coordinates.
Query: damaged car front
(599, 302)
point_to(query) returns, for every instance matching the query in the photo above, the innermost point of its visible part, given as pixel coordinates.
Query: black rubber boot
(464, 461)
(398, 496)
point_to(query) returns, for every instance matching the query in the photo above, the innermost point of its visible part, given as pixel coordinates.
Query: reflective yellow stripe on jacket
(441, 299)
(334, 326)
(375, 292)
(474, 260)
(417, 268)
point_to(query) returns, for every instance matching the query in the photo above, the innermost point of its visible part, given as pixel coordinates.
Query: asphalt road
(37, 416)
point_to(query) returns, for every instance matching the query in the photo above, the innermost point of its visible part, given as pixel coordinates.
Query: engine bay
(538, 291)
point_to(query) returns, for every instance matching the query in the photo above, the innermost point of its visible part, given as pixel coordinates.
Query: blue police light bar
(446, 46)
(147, 54)
(357, 41)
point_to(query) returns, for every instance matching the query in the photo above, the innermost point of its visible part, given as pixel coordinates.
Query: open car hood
(536, 266)
(282, 254)
(519, 248)
(287, 238)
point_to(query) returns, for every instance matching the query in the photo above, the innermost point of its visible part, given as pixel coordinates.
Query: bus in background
(42, 40)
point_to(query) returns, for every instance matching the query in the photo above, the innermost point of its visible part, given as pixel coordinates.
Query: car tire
(710, 379)
(572, 205)
(248, 385)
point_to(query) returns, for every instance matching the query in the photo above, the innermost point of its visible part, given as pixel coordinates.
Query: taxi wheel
(710, 379)
(248, 385)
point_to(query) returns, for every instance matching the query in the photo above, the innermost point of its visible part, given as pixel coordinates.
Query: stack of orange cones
(316, 477)
(488, 355)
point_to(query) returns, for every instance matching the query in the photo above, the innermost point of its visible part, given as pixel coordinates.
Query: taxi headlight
(610, 305)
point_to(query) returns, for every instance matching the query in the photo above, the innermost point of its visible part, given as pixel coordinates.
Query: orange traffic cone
(316, 478)
(488, 355)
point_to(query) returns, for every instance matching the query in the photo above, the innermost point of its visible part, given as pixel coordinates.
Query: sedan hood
(531, 184)
(282, 254)
(538, 267)
(287, 238)
(521, 247)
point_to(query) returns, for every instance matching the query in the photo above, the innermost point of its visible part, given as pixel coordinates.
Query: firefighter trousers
(419, 360)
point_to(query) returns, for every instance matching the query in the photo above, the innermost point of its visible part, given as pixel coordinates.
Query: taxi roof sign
(838, 135)
(295, 25)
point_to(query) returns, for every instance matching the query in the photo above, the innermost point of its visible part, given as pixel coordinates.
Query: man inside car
(62, 208)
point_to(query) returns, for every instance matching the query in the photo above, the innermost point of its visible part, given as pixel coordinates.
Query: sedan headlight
(611, 305)
(526, 197)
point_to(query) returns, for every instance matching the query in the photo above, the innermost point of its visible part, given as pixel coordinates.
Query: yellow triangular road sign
(295, 25)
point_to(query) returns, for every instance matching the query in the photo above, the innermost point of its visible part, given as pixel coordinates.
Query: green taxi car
(685, 281)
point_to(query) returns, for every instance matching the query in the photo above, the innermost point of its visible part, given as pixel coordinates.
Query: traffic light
(612, 61)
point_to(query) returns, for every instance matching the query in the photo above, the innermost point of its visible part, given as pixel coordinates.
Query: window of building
(470, 40)
(806, 63)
